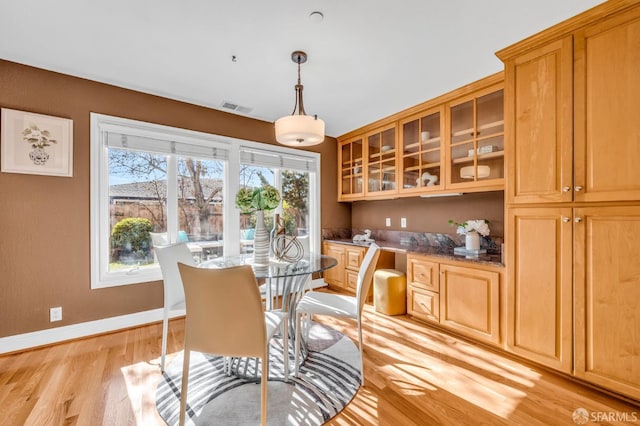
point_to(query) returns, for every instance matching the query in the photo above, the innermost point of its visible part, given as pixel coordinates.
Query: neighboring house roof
(150, 190)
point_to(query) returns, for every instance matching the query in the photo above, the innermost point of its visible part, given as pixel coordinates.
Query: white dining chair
(168, 258)
(225, 317)
(338, 305)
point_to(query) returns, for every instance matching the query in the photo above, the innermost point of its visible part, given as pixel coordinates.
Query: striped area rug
(328, 380)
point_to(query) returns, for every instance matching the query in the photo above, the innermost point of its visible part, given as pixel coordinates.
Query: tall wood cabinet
(572, 96)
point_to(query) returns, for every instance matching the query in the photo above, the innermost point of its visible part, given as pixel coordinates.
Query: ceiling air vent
(236, 107)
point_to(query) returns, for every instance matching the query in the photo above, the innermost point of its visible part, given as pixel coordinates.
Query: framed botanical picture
(36, 144)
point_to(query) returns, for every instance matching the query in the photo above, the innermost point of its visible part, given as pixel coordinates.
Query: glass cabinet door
(381, 160)
(421, 152)
(351, 169)
(476, 140)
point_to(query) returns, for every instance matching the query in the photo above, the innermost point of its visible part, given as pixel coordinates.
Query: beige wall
(44, 220)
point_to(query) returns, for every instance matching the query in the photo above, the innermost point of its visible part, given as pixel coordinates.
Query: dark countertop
(493, 259)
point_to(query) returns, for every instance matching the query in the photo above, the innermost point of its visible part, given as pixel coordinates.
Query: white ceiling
(367, 58)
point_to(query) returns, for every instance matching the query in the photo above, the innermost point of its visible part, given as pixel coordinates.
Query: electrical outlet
(403, 222)
(55, 314)
(387, 221)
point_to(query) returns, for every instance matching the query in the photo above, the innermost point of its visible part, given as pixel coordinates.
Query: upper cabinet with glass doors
(476, 140)
(351, 169)
(421, 154)
(381, 161)
(452, 143)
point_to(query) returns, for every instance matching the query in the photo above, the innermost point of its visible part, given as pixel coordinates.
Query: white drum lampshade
(299, 130)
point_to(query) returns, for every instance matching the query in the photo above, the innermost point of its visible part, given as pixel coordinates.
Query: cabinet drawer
(423, 274)
(354, 258)
(351, 280)
(423, 304)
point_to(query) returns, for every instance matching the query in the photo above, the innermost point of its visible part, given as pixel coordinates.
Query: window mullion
(172, 198)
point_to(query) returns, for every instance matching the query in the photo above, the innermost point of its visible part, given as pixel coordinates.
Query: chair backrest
(365, 274)
(168, 257)
(224, 311)
(159, 239)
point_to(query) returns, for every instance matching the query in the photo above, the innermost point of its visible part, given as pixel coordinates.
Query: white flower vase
(260, 241)
(472, 241)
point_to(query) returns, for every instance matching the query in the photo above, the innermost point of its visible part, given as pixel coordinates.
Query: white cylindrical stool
(390, 292)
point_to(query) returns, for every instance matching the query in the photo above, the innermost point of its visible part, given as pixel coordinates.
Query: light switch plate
(387, 221)
(403, 222)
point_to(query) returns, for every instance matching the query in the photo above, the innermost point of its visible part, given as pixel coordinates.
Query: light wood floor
(414, 375)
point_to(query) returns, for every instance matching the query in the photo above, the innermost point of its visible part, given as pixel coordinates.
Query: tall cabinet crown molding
(573, 196)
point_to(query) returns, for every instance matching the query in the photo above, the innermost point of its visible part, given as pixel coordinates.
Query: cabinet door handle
(566, 219)
(578, 188)
(577, 220)
(566, 188)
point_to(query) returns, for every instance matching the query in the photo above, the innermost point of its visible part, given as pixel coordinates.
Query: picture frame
(36, 144)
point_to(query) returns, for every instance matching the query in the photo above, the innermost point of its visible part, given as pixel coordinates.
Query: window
(154, 185)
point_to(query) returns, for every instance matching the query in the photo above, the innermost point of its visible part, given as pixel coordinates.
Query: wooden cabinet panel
(607, 275)
(475, 140)
(470, 301)
(380, 162)
(351, 280)
(539, 285)
(345, 274)
(607, 101)
(335, 276)
(351, 169)
(422, 273)
(354, 257)
(538, 91)
(421, 152)
(423, 304)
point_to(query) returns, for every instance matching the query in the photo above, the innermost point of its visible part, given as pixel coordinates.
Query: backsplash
(424, 239)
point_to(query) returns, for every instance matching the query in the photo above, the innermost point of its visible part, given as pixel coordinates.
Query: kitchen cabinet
(607, 297)
(351, 169)
(344, 276)
(572, 116)
(380, 164)
(451, 143)
(470, 301)
(335, 276)
(455, 295)
(422, 152)
(475, 143)
(573, 194)
(539, 285)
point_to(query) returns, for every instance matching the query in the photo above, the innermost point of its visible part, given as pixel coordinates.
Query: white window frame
(100, 225)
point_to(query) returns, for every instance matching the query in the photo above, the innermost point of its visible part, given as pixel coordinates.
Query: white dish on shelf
(386, 148)
(468, 172)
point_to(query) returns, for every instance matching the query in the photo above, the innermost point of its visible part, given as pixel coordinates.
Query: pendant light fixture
(299, 129)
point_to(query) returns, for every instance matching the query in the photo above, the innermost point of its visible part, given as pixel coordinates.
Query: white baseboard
(75, 331)
(54, 335)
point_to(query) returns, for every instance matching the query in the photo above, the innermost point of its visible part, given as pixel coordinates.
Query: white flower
(481, 226)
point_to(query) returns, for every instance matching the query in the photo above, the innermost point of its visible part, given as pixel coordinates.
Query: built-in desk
(461, 293)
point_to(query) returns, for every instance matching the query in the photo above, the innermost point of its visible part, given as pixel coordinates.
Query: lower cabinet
(470, 301)
(344, 276)
(574, 292)
(455, 295)
(607, 297)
